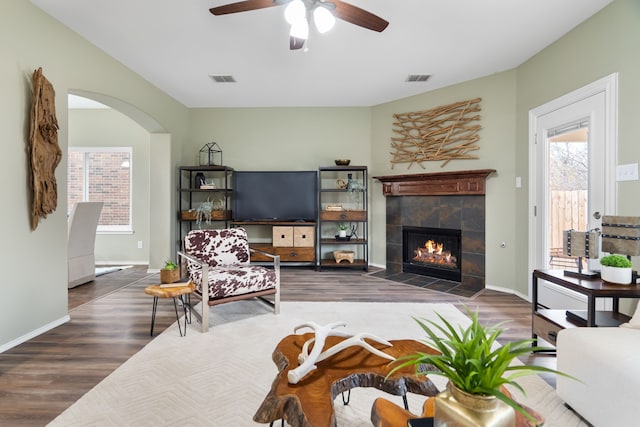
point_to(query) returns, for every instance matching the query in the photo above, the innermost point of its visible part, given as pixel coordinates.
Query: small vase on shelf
(199, 180)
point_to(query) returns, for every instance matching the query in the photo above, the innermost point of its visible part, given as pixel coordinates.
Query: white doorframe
(609, 86)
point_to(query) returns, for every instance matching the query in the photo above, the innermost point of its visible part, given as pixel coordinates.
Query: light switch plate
(628, 172)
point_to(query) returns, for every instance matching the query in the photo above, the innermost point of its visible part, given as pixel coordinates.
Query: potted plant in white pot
(616, 269)
(477, 369)
(342, 230)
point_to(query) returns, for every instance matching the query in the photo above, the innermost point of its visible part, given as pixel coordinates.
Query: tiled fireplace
(434, 252)
(437, 203)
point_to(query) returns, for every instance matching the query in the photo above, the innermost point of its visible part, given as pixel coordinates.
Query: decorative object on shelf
(189, 215)
(476, 372)
(616, 269)
(334, 207)
(200, 180)
(354, 231)
(208, 153)
(581, 244)
(170, 273)
(621, 235)
(203, 213)
(355, 188)
(341, 184)
(342, 230)
(340, 256)
(442, 133)
(208, 186)
(44, 152)
(342, 162)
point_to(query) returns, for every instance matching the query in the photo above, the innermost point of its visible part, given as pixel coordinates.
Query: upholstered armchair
(218, 263)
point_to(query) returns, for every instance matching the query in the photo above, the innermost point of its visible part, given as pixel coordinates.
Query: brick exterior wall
(109, 182)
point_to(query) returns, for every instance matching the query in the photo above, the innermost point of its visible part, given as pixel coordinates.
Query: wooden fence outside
(568, 210)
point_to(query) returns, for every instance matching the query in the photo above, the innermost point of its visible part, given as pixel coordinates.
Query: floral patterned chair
(218, 261)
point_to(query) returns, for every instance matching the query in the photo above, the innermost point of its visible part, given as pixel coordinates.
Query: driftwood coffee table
(309, 403)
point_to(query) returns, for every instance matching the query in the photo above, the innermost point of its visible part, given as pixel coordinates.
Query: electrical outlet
(139, 244)
(627, 172)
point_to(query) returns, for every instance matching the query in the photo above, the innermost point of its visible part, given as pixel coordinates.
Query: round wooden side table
(182, 291)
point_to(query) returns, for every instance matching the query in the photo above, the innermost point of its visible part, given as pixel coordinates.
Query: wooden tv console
(294, 241)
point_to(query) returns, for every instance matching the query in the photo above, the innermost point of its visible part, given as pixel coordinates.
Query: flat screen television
(275, 196)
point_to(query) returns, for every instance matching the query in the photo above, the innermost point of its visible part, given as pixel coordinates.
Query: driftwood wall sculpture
(442, 133)
(44, 151)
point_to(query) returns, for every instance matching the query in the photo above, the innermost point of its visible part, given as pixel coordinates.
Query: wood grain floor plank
(110, 321)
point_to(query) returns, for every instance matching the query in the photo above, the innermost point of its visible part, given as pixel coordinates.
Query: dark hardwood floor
(110, 319)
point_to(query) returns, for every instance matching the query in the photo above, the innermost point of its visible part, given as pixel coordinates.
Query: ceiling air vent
(418, 77)
(223, 79)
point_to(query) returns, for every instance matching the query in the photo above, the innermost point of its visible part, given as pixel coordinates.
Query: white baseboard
(116, 263)
(34, 333)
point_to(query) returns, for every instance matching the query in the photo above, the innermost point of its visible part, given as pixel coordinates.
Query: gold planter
(454, 407)
(169, 276)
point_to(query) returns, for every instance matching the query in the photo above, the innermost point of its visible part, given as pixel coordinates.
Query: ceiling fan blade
(244, 6)
(295, 43)
(357, 16)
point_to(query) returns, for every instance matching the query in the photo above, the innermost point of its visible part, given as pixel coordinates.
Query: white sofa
(606, 360)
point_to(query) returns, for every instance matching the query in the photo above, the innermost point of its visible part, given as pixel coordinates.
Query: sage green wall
(35, 292)
(110, 128)
(286, 138)
(605, 44)
(497, 151)
(281, 138)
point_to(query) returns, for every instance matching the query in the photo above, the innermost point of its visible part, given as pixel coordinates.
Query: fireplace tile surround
(453, 200)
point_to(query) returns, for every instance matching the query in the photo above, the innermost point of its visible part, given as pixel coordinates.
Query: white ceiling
(177, 44)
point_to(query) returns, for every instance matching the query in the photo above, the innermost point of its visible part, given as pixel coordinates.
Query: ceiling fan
(298, 13)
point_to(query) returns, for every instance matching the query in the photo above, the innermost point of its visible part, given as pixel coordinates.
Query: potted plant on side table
(477, 369)
(616, 269)
(170, 273)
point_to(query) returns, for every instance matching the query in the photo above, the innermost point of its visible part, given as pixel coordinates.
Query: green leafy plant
(170, 265)
(342, 227)
(469, 361)
(614, 260)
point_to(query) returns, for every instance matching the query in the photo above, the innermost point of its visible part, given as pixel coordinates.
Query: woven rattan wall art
(45, 153)
(443, 133)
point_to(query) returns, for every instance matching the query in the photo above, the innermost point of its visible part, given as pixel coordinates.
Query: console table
(546, 323)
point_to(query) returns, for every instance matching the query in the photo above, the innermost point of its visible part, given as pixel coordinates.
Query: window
(102, 174)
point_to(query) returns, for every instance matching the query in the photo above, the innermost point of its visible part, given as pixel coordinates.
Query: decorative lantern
(208, 153)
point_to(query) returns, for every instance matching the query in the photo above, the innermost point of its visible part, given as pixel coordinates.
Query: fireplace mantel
(470, 182)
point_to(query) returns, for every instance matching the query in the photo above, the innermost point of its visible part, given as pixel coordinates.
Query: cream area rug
(220, 378)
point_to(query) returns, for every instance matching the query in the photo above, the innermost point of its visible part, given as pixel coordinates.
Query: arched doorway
(155, 240)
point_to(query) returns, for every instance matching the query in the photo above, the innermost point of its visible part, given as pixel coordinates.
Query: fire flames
(433, 253)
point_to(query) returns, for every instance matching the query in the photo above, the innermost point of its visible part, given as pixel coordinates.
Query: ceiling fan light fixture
(300, 29)
(295, 11)
(323, 19)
